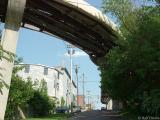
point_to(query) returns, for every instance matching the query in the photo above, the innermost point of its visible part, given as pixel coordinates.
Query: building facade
(57, 79)
(81, 101)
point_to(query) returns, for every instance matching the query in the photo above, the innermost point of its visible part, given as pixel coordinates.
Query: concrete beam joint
(14, 14)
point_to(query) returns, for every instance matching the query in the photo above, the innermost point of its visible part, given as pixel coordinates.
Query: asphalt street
(96, 115)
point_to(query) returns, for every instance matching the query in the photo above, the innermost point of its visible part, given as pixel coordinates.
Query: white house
(57, 80)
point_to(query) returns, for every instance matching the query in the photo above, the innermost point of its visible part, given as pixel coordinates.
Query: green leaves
(151, 103)
(2, 84)
(134, 66)
(20, 92)
(124, 12)
(41, 104)
(4, 54)
(62, 101)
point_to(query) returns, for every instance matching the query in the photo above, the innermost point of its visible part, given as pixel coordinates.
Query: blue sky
(38, 48)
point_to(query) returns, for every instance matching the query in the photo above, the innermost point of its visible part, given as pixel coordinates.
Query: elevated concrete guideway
(74, 21)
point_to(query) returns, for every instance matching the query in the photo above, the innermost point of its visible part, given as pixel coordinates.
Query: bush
(131, 73)
(41, 105)
(151, 103)
(20, 93)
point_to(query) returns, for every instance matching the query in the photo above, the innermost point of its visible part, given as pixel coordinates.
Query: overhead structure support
(13, 21)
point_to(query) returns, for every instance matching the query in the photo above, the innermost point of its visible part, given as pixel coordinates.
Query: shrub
(151, 103)
(41, 105)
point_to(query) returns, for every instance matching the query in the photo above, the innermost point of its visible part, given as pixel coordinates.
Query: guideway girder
(58, 18)
(71, 23)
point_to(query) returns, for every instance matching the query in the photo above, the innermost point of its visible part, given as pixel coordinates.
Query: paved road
(96, 115)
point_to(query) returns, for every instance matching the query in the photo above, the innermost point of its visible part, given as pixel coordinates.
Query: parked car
(62, 110)
(76, 109)
(103, 108)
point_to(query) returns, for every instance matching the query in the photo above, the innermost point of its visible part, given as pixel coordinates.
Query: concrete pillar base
(9, 42)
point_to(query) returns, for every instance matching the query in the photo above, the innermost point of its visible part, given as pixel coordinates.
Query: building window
(27, 68)
(58, 75)
(57, 86)
(45, 71)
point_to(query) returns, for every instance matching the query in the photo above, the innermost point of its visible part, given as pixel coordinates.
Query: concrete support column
(13, 20)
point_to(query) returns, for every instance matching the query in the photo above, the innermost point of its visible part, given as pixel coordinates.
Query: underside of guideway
(76, 22)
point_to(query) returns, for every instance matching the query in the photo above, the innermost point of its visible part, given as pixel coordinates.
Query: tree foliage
(133, 67)
(20, 92)
(41, 104)
(62, 102)
(24, 96)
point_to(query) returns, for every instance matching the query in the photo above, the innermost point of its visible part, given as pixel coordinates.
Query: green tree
(132, 68)
(62, 101)
(20, 92)
(41, 104)
(43, 87)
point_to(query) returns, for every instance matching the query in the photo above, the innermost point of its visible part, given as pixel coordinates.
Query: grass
(46, 119)
(53, 117)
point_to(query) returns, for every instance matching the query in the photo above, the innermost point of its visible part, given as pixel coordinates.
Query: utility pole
(71, 51)
(88, 99)
(76, 71)
(83, 92)
(55, 85)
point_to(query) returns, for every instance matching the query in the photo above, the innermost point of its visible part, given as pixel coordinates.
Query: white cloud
(77, 54)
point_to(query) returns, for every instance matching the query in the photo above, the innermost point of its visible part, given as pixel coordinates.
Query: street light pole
(55, 87)
(76, 71)
(88, 99)
(83, 93)
(71, 52)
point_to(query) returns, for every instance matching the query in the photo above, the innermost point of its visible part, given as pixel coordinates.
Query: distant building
(89, 107)
(57, 80)
(110, 105)
(81, 101)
